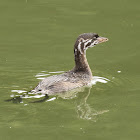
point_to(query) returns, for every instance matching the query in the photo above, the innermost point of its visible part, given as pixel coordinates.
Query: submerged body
(79, 76)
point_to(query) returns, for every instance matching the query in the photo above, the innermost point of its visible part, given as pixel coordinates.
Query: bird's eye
(96, 36)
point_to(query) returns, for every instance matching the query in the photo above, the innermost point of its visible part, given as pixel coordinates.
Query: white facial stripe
(79, 47)
(87, 42)
(94, 43)
(81, 40)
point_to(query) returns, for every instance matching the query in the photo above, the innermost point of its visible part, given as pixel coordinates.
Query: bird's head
(87, 40)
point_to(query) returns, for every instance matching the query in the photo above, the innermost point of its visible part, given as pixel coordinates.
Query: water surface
(36, 40)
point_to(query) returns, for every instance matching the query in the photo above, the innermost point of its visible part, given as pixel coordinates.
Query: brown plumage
(79, 76)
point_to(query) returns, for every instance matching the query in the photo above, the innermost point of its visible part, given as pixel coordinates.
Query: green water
(38, 35)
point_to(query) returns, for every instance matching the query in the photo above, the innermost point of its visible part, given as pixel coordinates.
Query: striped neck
(81, 64)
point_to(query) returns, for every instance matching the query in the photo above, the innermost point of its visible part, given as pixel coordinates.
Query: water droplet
(119, 71)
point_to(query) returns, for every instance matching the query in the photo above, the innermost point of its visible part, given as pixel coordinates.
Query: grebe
(79, 76)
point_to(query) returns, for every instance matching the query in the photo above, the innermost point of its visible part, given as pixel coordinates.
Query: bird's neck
(81, 63)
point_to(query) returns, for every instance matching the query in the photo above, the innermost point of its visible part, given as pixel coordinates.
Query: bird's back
(61, 83)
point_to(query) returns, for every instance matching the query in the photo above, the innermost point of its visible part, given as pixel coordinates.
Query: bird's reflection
(83, 108)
